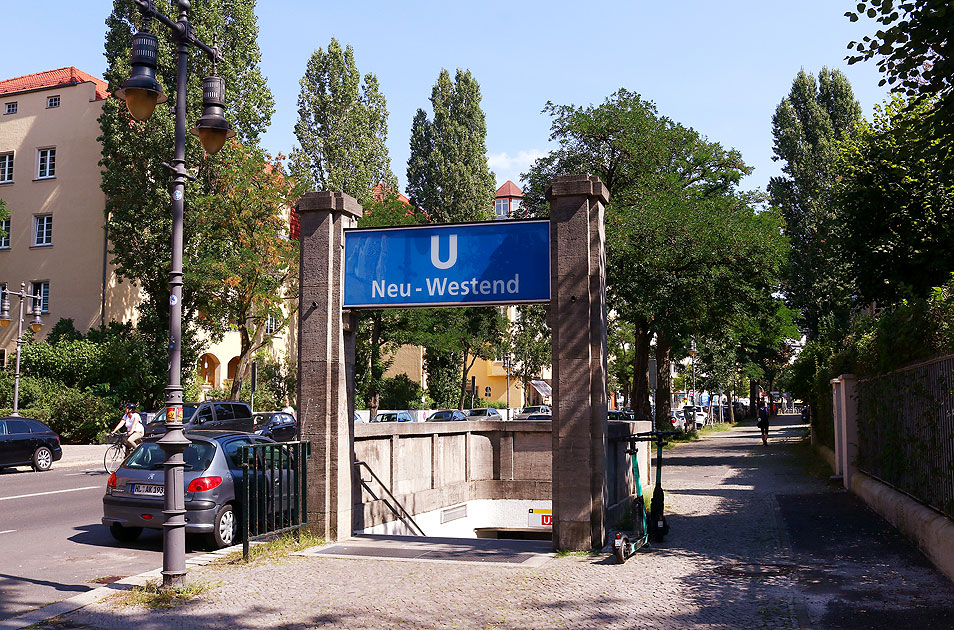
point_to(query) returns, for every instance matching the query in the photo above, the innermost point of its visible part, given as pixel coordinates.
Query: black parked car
(28, 442)
(223, 415)
(213, 477)
(277, 425)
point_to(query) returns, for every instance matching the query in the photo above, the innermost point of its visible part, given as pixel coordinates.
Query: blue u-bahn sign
(470, 264)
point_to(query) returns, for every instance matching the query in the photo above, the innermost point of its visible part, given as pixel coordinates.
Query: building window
(502, 208)
(46, 164)
(11, 108)
(5, 235)
(43, 288)
(43, 230)
(52, 101)
(6, 167)
(271, 325)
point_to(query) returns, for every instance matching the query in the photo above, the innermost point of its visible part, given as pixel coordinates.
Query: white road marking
(40, 494)
(82, 473)
(8, 531)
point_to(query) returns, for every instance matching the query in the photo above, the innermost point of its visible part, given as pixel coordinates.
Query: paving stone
(756, 543)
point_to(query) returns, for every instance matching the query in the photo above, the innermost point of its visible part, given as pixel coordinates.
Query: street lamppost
(142, 92)
(35, 326)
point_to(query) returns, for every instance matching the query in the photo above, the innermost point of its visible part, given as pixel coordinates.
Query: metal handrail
(406, 516)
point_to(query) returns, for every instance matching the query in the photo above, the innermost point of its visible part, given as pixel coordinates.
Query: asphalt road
(52, 543)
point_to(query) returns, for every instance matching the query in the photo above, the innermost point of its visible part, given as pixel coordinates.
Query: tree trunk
(640, 403)
(374, 355)
(663, 384)
(465, 369)
(753, 398)
(245, 350)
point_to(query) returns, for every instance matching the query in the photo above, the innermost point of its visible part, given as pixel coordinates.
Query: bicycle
(116, 453)
(654, 526)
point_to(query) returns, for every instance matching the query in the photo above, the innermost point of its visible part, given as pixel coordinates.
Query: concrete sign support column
(326, 336)
(578, 320)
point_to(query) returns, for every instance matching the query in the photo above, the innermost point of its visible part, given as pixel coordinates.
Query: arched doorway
(209, 370)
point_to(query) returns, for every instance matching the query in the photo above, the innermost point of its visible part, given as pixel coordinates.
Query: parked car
(213, 477)
(616, 414)
(484, 413)
(28, 442)
(277, 425)
(447, 415)
(540, 416)
(225, 415)
(535, 410)
(677, 421)
(393, 416)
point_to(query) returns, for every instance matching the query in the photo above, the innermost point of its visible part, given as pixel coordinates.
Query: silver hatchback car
(212, 476)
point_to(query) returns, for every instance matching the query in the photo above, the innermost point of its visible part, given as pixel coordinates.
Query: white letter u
(436, 255)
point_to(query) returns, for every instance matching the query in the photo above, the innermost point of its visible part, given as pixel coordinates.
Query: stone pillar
(845, 399)
(326, 338)
(578, 320)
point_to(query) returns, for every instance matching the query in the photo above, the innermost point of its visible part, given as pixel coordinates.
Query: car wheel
(225, 529)
(124, 534)
(42, 459)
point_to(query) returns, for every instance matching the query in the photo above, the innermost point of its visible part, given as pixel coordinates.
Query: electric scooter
(655, 526)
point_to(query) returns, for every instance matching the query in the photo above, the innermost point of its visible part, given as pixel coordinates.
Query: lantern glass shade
(141, 103)
(212, 139)
(35, 326)
(4, 322)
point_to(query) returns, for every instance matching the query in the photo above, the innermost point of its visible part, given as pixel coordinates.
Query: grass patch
(564, 553)
(278, 547)
(717, 427)
(151, 595)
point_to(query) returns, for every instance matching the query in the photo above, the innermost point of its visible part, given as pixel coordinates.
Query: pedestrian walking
(763, 423)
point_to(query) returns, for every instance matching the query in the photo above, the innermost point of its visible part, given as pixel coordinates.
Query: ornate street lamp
(142, 92)
(35, 325)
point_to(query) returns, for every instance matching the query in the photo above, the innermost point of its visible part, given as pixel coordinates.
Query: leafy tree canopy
(342, 127)
(447, 173)
(808, 125)
(916, 55)
(896, 207)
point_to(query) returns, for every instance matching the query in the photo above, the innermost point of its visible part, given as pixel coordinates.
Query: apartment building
(55, 239)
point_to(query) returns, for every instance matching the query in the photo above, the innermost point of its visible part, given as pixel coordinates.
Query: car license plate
(148, 490)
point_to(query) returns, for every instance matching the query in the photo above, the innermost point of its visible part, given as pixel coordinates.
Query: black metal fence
(906, 431)
(275, 489)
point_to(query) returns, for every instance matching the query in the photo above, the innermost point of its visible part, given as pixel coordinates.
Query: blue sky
(720, 67)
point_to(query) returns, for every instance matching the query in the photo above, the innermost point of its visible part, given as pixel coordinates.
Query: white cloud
(509, 167)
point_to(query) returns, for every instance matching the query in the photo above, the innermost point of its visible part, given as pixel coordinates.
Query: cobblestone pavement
(757, 541)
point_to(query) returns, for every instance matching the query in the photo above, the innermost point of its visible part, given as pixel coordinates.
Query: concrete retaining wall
(435, 465)
(931, 531)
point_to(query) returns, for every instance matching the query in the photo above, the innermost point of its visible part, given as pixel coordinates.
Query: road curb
(76, 602)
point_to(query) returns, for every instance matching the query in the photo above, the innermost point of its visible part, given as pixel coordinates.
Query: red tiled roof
(52, 79)
(509, 189)
(380, 190)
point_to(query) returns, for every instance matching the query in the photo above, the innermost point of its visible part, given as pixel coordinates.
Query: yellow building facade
(55, 239)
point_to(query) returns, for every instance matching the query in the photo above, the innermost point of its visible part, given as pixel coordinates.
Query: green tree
(687, 247)
(449, 181)
(807, 126)
(342, 127)
(896, 207)
(133, 178)
(915, 53)
(530, 344)
(447, 173)
(247, 265)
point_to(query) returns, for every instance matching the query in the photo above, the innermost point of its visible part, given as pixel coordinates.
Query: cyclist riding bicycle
(133, 424)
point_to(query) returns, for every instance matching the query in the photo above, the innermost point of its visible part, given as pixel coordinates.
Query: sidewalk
(75, 455)
(757, 541)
